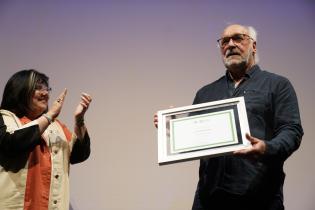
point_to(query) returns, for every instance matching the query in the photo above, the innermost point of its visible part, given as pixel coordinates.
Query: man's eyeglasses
(237, 39)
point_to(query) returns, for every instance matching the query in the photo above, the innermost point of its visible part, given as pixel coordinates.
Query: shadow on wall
(71, 207)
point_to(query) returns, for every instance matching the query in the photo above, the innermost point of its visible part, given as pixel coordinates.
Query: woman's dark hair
(19, 90)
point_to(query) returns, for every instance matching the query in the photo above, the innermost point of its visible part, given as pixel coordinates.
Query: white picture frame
(208, 129)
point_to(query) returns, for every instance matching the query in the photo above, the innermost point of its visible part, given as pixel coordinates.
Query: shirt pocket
(257, 101)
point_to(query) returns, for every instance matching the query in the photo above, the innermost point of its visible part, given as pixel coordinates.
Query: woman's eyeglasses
(42, 88)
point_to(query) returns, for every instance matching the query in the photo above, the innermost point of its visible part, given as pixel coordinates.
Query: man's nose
(231, 42)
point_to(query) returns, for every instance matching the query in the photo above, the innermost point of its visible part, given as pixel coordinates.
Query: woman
(35, 147)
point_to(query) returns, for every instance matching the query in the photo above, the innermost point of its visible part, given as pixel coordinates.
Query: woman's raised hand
(56, 107)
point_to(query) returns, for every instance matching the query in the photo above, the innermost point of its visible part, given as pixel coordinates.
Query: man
(251, 179)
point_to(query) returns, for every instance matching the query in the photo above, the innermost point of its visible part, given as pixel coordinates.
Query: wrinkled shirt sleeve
(288, 131)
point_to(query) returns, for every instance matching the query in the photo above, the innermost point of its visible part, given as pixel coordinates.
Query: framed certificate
(207, 129)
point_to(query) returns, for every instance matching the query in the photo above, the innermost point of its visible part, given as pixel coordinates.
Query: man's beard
(239, 63)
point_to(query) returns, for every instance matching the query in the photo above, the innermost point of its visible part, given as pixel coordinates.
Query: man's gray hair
(253, 34)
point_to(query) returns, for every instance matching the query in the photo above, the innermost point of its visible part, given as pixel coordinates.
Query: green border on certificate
(203, 131)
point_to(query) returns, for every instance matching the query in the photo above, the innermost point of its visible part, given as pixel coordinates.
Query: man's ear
(254, 47)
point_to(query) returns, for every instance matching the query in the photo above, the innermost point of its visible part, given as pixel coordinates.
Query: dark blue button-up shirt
(273, 116)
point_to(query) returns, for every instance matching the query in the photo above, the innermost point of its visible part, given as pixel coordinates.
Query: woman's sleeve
(81, 150)
(18, 141)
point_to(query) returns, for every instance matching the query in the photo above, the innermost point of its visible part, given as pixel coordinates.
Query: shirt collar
(250, 73)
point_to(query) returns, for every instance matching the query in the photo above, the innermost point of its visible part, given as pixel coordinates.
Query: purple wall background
(137, 57)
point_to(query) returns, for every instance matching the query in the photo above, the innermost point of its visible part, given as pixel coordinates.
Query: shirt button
(57, 176)
(56, 151)
(55, 201)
